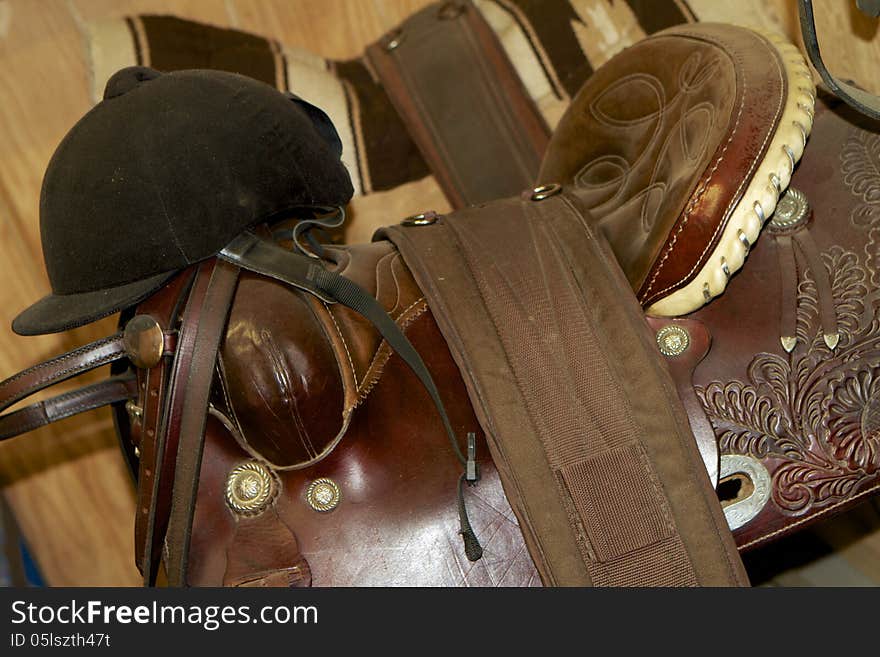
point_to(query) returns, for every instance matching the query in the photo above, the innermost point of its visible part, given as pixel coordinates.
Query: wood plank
(208, 11)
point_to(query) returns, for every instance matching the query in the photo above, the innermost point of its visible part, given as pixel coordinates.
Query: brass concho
(323, 494)
(144, 341)
(250, 488)
(673, 340)
(792, 210)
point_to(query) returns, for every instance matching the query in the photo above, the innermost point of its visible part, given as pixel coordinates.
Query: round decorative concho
(792, 210)
(673, 340)
(144, 341)
(323, 494)
(250, 488)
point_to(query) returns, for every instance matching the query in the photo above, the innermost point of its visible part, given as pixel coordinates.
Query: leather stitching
(383, 353)
(704, 186)
(810, 518)
(60, 359)
(344, 343)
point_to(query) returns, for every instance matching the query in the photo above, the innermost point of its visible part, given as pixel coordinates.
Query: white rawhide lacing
(759, 200)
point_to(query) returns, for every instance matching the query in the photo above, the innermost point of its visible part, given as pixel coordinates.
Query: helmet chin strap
(866, 103)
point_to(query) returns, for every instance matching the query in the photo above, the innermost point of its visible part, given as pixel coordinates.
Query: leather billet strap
(585, 427)
(156, 464)
(462, 102)
(867, 103)
(202, 329)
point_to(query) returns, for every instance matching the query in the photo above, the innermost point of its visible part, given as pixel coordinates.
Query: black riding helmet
(164, 172)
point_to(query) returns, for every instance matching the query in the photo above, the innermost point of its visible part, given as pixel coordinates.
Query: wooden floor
(67, 485)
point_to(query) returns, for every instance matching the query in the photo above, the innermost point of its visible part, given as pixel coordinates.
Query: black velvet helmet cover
(163, 173)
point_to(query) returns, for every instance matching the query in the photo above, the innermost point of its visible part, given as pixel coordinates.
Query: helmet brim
(60, 312)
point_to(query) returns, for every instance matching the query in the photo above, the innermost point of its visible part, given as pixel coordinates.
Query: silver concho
(673, 340)
(742, 511)
(323, 494)
(250, 488)
(791, 210)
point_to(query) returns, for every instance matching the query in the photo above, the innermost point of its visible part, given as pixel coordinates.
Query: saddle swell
(396, 522)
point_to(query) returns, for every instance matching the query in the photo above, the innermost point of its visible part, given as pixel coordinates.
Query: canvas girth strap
(584, 424)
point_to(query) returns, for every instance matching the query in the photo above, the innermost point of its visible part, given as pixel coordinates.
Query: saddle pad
(582, 418)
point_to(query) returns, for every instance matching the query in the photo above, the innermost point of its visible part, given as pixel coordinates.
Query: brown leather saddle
(280, 440)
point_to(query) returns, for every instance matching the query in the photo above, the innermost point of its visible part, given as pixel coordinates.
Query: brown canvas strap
(582, 417)
(462, 102)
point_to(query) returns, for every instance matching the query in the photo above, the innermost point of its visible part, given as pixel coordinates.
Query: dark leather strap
(827, 313)
(202, 329)
(156, 467)
(59, 369)
(788, 281)
(463, 103)
(87, 398)
(866, 103)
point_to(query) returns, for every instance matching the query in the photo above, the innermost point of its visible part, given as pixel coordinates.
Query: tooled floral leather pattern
(813, 416)
(815, 412)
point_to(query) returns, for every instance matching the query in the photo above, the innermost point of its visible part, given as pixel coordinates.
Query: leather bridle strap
(866, 103)
(87, 398)
(202, 329)
(58, 369)
(61, 368)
